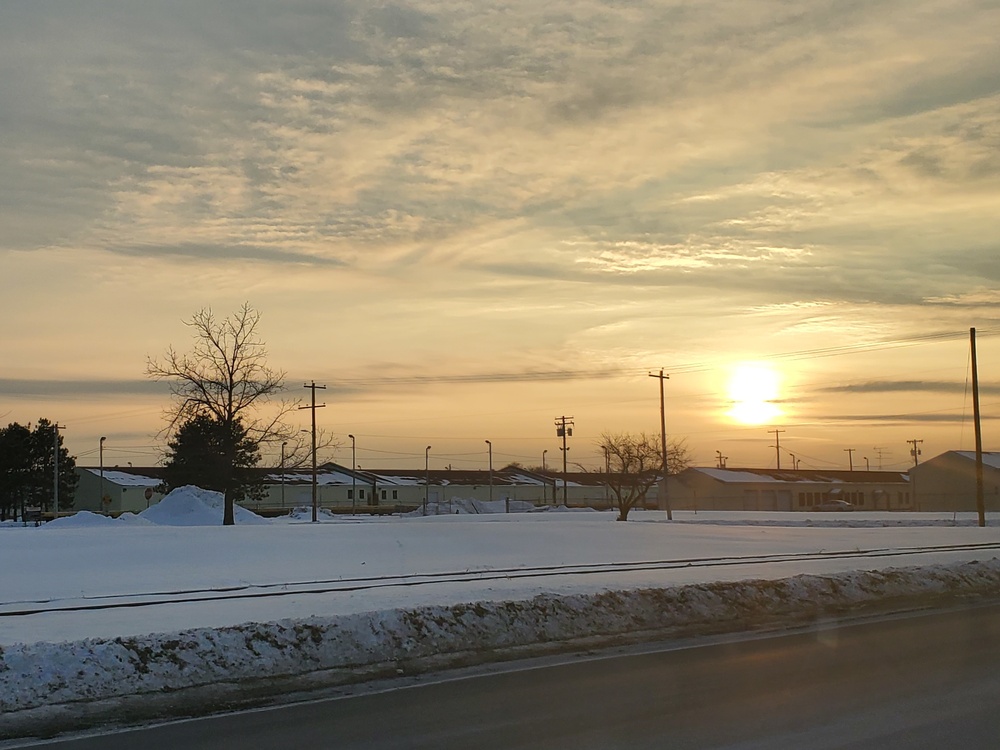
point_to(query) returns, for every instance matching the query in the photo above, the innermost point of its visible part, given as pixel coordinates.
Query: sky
(467, 219)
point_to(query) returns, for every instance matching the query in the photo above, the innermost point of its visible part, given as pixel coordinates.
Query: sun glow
(753, 390)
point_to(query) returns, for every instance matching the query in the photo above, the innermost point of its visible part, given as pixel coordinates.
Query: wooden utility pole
(850, 457)
(313, 407)
(915, 452)
(980, 498)
(664, 497)
(777, 444)
(564, 429)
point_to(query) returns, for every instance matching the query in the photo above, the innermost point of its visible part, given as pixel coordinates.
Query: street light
(283, 474)
(867, 465)
(490, 447)
(544, 499)
(427, 475)
(100, 503)
(354, 476)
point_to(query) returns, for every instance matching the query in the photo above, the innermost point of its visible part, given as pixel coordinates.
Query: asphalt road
(930, 681)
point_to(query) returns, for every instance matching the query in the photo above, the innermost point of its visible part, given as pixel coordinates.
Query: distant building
(948, 482)
(787, 490)
(943, 484)
(340, 488)
(130, 489)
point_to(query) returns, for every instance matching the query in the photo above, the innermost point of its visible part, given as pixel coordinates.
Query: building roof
(799, 476)
(990, 458)
(129, 477)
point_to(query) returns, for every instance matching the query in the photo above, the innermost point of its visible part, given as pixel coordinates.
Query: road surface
(930, 681)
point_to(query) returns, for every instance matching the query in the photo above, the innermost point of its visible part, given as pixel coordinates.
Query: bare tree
(226, 377)
(634, 465)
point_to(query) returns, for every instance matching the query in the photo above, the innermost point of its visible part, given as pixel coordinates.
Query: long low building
(342, 489)
(787, 490)
(947, 482)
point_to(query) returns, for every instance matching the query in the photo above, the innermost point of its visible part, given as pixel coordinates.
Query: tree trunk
(228, 515)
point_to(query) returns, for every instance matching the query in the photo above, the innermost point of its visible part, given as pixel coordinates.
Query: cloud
(228, 253)
(79, 389)
(888, 419)
(911, 386)
(526, 376)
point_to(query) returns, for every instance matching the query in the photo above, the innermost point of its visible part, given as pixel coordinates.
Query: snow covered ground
(170, 599)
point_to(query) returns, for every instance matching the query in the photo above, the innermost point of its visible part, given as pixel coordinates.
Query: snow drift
(360, 646)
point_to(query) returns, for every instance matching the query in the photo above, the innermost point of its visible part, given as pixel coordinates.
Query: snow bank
(410, 640)
(303, 514)
(193, 506)
(85, 519)
(471, 506)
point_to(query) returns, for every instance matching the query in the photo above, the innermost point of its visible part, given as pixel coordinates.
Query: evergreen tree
(215, 455)
(27, 470)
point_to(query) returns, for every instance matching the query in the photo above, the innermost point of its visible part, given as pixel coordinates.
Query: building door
(784, 500)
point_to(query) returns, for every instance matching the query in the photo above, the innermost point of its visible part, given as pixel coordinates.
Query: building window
(350, 494)
(395, 494)
(384, 494)
(361, 494)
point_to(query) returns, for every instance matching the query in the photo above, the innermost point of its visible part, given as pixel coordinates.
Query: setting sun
(753, 390)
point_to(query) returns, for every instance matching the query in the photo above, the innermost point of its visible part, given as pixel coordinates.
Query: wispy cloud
(911, 386)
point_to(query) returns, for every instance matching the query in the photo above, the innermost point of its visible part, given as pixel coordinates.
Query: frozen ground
(102, 607)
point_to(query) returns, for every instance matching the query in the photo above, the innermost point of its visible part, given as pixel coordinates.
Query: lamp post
(489, 445)
(354, 476)
(283, 474)
(100, 503)
(427, 475)
(543, 471)
(867, 465)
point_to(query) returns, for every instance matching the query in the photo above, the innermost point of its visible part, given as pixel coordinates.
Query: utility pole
(850, 457)
(564, 429)
(664, 497)
(980, 498)
(314, 406)
(427, 476)
(354, 475)
(283, 444)
(777, 444)
(100, 504)
(721, 459)
(878, 450)
(915, 452)
(489, 446)
(55, 462)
